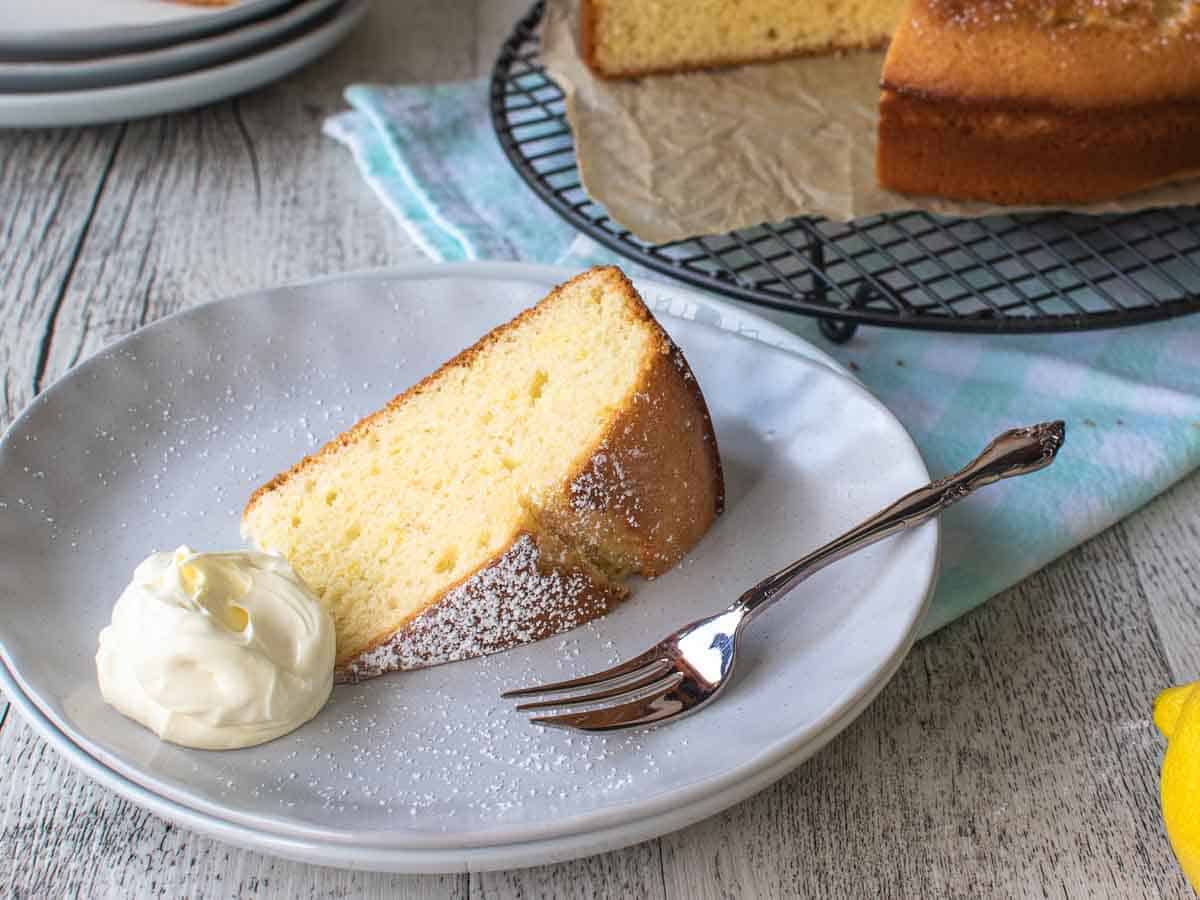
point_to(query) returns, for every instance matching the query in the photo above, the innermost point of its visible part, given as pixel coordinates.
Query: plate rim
(111, 70)
(666, 813)
(431, 861)
(109, 38)
(141, 99)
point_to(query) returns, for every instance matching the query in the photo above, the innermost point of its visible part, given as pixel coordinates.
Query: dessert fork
(690, 668)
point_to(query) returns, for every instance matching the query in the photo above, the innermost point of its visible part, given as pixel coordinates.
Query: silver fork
(689, 668)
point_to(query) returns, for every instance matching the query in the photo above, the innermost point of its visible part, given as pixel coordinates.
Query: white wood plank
(633, 872)
(50, 183)
(494, 22)
(1012, 756)
(1164, 548)
(248, 193)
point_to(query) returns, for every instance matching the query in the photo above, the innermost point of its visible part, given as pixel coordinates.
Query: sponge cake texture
(506, 496)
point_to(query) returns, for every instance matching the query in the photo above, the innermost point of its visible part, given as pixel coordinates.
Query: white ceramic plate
(125, 68)
(159, 439)
(160, 95)
(56, 27)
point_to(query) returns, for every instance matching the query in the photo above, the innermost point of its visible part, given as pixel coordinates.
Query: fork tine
(657, 672)
(595, 679)
(644, 711)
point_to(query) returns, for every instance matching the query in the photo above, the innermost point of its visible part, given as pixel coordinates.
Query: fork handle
(1016, 452)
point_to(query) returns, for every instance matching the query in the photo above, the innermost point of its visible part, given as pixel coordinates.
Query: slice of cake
(505, 497)
(1035, 102)
(635, 37)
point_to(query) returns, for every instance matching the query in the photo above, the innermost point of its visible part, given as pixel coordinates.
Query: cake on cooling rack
(505, 497)
(1006, 101)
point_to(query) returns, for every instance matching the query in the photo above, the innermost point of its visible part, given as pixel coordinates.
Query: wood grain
(1164, 549)
(1012, 755)
(51, 183)
(632, 872)
(248, 193)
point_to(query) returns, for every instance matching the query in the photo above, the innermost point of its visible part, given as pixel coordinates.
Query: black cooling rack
(1019, 273)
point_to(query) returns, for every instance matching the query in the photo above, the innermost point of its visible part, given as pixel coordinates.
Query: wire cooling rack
(1018, 273)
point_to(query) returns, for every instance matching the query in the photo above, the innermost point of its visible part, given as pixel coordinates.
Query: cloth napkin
(1131, 397)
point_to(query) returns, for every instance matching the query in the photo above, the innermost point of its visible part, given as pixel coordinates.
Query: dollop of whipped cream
(217, 650)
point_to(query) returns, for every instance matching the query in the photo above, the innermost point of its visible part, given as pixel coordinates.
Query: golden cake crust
(1024, 102)
(635, 502)
(638, 501)
(1062, 54)
(1035, 156)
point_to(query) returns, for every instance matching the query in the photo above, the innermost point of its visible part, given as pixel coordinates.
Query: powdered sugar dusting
(405, 757)
(605, 485)
(513, 601)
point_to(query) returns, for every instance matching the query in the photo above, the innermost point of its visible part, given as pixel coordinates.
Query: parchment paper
(677, 156)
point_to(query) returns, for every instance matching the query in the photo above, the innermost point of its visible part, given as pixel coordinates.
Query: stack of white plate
(80, 62)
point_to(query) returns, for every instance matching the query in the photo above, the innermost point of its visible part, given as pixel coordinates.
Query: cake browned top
(1075, 54)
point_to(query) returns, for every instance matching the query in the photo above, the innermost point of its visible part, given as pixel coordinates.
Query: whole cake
(1032, 102)
(505, 497)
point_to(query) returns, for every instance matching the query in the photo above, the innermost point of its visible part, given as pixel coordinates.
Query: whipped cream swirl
(217, 650)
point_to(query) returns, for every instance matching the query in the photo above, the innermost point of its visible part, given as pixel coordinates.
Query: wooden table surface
(1013, 754)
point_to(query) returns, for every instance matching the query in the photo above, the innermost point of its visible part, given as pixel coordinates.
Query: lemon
(1177, 715)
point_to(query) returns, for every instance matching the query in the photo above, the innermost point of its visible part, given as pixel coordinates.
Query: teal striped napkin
(1131, 397)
